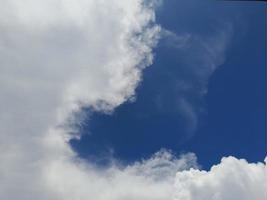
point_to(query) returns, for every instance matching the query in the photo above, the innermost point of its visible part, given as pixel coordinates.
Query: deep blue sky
(231, 119)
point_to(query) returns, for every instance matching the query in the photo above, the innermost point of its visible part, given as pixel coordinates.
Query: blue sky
(133, 100)
(228, 119)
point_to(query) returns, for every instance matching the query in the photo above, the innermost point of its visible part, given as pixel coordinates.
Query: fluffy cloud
(150, 179)
(232, 179)
(57, 56)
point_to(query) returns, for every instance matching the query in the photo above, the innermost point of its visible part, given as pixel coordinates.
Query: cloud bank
(57, 56)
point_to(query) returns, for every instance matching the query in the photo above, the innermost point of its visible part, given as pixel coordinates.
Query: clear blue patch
(230, 120)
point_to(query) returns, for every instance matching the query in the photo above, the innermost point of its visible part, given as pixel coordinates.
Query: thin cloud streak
(84, 53)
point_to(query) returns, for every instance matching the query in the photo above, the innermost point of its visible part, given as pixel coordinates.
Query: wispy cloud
(59, 55)
(199, 56)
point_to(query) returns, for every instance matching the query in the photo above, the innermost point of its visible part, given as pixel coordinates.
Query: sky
(133, 100)
(228, 119)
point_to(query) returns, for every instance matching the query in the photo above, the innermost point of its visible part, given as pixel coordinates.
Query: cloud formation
(57, 56)
(232, 179)
(199, 56)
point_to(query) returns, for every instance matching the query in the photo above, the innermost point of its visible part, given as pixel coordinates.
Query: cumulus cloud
(150, 179)
(57, 56)
(232, 179)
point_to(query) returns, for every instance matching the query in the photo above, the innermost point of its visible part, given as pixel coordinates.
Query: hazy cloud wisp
(57, 56)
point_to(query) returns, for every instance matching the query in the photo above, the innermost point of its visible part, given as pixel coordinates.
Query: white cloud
(150, 179)
(55, 57)
(232, 179)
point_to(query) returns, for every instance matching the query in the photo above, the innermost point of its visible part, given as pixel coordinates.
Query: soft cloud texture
(200, 55)
(57, 56)
(232, 179)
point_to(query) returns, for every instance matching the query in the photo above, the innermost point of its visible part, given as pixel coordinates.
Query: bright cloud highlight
(232, 179)
(57, 56)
